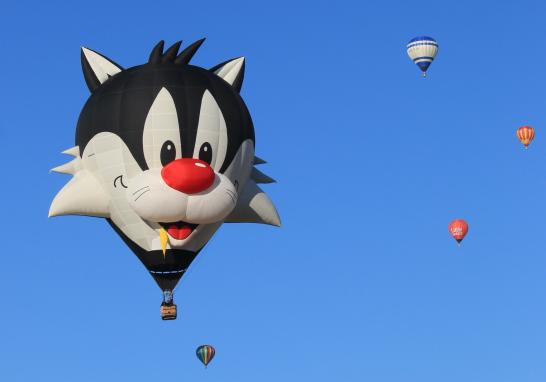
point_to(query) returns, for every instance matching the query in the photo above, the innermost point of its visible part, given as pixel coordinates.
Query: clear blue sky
(363, 281)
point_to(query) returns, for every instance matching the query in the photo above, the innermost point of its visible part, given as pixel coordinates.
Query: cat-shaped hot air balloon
(165, 153)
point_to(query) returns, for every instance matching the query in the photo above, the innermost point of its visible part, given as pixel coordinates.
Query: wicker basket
(168, 312)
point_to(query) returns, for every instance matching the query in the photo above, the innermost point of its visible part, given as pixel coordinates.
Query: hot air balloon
(525, 135)
(422, 50)
(205, 353)
(164, 152)
(458, 229)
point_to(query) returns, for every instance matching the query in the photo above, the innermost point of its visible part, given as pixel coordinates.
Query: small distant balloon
(205, 353)
(525, 135)
(422, 50)
(458, 229)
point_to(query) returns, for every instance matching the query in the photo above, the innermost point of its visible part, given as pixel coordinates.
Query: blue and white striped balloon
(422, 51)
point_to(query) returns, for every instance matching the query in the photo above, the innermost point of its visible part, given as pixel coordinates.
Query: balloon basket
(168, 312)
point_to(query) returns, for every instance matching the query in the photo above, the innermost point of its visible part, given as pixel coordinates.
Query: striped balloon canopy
(422, 50)
(205, 353)
(525, 135)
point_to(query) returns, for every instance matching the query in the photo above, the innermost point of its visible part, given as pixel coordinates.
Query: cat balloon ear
(232, 71)
(97, 68)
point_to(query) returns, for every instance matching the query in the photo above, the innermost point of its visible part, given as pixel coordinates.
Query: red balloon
(458, 229)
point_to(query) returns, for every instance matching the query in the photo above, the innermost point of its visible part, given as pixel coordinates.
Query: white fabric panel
(161, 125)
(108, 157)
(417, 51)
(254, 206)
(74, 151)
(241, 165)
(83, 195)
(153, 200)
(68, 168)
(100, 65)
(230, 70)
(212, 128)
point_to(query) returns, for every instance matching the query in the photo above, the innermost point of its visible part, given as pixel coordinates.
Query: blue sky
(362, 282)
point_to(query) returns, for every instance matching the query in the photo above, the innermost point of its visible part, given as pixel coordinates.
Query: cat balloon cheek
(167, 196)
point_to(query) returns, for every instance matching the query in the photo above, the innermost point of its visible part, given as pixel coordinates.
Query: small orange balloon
(525, 135)
(458, 229)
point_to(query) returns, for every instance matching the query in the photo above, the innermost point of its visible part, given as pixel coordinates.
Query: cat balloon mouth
(179, 230)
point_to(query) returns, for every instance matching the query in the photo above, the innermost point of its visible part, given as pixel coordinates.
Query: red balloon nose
(189, 176)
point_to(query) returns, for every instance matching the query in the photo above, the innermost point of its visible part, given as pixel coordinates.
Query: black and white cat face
(165, 151)
(182, 194)
(187, 197)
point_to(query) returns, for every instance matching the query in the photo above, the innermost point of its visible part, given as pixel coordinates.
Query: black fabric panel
(167, 282)
(157, 53)
(171, 53)
(90, 79)
(122, 103)
(188, 53)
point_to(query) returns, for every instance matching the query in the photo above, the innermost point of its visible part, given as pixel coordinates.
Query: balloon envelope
(205, 353)
(165, 152)
(458, 229)
(422, 50)
(525, 134)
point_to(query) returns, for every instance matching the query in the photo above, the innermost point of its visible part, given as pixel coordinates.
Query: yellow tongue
(164, 239)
